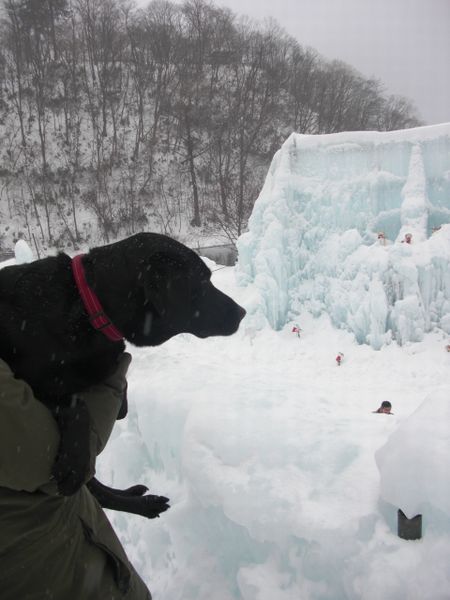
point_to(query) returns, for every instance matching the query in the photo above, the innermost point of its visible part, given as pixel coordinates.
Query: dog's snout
(235, 314)
(241, 312)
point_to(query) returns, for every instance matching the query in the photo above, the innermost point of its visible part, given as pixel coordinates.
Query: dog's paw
(153, 506)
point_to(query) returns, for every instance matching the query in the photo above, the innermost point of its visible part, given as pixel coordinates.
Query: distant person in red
(408, 238)
(385, 408)
(447, 347)
(339, 358)
(296, 329)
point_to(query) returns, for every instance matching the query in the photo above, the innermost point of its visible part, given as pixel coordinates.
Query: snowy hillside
(326, 234)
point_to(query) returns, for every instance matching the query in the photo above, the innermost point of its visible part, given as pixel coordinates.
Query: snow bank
(266, 450)
(413, 462)
(23, 252)
(313, 235)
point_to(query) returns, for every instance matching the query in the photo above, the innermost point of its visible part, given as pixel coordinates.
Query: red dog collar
(97, 316)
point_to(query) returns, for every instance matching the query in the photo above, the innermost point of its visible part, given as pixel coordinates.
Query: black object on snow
(409, 529)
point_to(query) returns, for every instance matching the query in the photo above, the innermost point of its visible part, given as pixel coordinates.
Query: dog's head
(169, 292)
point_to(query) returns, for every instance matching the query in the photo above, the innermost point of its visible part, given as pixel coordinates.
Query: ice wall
(313, 235)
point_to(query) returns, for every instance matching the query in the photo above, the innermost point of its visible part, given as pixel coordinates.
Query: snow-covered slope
(313, 235)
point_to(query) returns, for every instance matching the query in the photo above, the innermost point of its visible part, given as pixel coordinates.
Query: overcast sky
(404, 43)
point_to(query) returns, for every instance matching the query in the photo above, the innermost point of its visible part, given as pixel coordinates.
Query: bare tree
(136, 114)
(398, 113)
(15, 68)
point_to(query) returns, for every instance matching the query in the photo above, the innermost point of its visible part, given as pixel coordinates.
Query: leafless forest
(115, 119)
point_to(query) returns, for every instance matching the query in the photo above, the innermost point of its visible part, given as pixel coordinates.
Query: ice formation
(327, 234)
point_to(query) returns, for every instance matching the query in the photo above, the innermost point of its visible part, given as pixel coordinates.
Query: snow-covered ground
(267, 450)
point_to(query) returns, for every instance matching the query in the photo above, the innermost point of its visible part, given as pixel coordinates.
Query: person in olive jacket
(52, 546)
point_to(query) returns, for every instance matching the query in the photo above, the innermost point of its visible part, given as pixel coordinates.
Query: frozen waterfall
(327, 234)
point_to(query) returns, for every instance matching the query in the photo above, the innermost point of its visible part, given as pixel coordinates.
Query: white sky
(404, 43)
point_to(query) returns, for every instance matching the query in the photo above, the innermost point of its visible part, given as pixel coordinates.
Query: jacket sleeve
(29, 436)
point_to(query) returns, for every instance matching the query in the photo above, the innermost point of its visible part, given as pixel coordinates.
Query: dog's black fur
(149, 285)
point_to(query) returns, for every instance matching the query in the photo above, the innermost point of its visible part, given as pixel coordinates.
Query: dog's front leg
(73, 462)
(132, 500)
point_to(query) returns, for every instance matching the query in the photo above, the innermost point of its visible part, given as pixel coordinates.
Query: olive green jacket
(51, 546)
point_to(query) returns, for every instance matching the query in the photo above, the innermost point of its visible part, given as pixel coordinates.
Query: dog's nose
(241, 312)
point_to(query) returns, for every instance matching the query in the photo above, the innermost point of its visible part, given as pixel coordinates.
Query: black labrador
(62, 324)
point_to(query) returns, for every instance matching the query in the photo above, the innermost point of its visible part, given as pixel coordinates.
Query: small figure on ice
(339, 358)
(296, 329)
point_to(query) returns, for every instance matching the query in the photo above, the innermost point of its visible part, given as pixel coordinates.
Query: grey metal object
(225, 254)
(6, 254)
(409, 529)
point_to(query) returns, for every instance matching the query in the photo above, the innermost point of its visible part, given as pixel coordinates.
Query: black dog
(146, 289)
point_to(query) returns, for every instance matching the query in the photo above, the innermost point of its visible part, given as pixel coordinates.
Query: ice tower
(327, 234)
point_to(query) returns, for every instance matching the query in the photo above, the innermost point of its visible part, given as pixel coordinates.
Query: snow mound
(23, 252)
(413, 462)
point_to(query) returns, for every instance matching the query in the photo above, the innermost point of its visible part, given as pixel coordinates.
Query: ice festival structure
(327, 234)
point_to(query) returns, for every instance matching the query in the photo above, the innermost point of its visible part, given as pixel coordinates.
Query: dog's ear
(158, 274)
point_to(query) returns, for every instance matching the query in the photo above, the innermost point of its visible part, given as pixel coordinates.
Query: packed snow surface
(267, 450)
(327, 233)
(409, 471)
